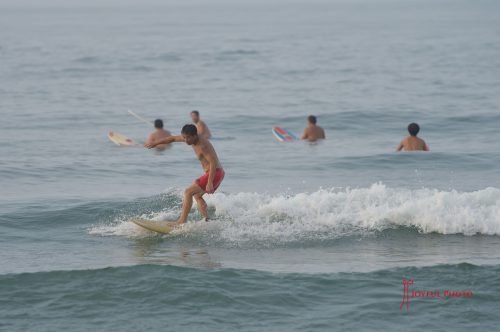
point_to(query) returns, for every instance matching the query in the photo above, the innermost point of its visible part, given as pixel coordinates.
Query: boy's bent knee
(189, 191)
(194, 190)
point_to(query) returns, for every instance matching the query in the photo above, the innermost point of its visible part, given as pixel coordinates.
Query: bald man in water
(412, 142)
(201, 126)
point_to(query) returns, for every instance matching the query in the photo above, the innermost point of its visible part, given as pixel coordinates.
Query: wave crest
(332, 213)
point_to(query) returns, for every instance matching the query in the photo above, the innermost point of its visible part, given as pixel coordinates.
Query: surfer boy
(205, 184)
(159, 133)
(201, 126)
(313, 132)
(412, 142)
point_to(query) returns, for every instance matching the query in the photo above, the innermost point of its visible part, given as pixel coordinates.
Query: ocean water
(306, 237)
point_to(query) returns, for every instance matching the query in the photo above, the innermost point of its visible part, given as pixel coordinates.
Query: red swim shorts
(202, 181)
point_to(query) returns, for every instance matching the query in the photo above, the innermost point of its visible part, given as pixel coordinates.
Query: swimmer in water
(159, 133)
(313, 132)
(201, 126)
(412, 142)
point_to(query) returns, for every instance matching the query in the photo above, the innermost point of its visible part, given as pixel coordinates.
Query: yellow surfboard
(120, 139)
(163, 227)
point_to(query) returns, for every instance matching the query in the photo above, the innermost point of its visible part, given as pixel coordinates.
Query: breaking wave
(326, 214)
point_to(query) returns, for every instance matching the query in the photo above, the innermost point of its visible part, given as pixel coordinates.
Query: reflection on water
(157, 250)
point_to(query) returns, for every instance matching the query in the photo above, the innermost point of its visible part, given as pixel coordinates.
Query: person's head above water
(195, 116)
(311, 119)
(413, 129)
(190, 134)
(158, 124)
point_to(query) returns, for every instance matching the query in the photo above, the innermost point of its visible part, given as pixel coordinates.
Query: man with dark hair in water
(205, 184)
(159, 133)
(201, 126)
(412, 142)
(313, 132)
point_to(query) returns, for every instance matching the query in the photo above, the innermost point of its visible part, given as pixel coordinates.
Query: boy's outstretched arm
(165, 140)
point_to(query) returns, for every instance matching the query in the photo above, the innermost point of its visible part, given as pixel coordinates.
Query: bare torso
(413, 143)
(313, 133)
(205, 151)
(159, 134)
(203, 130)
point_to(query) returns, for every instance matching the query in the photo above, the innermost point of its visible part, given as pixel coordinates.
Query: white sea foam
(329, 214)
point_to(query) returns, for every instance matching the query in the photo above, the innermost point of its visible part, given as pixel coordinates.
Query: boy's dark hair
(195, 112)
(311, 119)
(413, 129)
(158, 124)
(189, 130)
